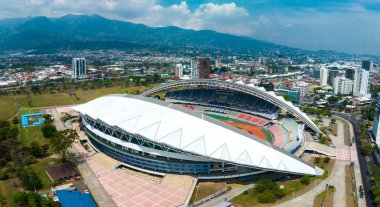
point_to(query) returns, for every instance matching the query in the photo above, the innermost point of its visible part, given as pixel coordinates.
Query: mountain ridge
(41, 33)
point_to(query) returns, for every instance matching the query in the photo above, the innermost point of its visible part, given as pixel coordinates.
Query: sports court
(130, 191)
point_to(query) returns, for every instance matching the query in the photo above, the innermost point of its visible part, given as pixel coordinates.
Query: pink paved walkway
(129, 191)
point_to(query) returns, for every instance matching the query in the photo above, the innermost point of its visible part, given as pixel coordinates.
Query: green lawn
(43, 100)
(245, 200)
(30, 134)
(8, 107)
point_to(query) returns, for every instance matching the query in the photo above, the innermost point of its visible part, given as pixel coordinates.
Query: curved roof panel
(189, 131)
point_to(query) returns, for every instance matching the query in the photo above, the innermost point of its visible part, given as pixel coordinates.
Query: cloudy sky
(346, 25)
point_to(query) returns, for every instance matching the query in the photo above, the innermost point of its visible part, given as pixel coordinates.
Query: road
(361, 158)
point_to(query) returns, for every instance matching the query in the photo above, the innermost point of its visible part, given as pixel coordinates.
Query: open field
(43, 100)
(7, 189)
(8, 107)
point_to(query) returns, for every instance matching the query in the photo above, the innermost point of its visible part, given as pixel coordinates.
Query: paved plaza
(130, 191)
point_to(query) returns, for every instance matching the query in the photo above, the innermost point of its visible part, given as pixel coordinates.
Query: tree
(305, 180)
(333, 121)
(367, 148)
(62, 141)
(15, 120)
(326, 159)
(48, 130)
(30, 180)
(35, 149)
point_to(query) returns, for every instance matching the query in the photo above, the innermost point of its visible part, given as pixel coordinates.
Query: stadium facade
(158, 137)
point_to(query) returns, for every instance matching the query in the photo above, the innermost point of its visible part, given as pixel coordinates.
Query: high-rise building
(324, 74)
(342, 86)
(361, 83)
(200, 68)
(179, 70)
(367, 65)
(332, 74)
(79, 67)
(350, 73)
(376, 121)
(316, 73)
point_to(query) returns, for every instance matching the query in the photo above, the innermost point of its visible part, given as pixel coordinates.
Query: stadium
(208, 128)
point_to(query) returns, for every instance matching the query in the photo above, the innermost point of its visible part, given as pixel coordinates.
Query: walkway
(335, 178)
(97, 191)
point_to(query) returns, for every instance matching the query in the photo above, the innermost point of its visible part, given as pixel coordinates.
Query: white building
(194, 69)
(304, 88)
(179, 70)
(79, 67)
(324, 76)
(342, 86)
(361, 83)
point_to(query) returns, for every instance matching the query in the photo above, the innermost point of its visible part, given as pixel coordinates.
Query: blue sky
(351, 26)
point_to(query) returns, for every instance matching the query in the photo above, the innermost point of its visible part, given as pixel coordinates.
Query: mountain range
(96, 32)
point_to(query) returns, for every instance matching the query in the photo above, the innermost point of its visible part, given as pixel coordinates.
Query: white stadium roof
(189, 131)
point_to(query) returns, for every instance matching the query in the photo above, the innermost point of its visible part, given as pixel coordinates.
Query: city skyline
(348, 26)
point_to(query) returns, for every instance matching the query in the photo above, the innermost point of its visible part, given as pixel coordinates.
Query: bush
(20, 198)
(317, 160)
(305, 180)
(3, 175)
(264, 185)
(326, 159)
(266, 197)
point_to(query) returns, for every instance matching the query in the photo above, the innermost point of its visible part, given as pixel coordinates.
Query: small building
(60, 172)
